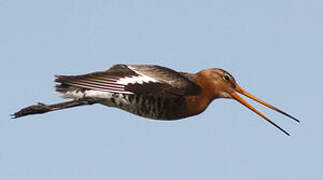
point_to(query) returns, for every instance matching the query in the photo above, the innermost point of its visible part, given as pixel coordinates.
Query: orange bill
(245, 103)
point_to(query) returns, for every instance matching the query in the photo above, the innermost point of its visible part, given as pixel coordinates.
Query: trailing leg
(43, 108)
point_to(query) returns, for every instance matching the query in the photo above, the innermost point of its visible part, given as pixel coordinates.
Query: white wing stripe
(104, 78)
(136, 79)
(100, 88)
(102, 83)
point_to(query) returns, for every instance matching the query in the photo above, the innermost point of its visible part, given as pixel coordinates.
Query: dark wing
(133, 79)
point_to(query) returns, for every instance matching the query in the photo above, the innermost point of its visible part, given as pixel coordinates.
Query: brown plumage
(150, 91)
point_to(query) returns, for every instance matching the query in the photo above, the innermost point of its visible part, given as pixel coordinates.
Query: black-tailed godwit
(150, 91)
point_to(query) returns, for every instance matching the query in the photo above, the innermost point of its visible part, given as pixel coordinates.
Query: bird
(150, 91)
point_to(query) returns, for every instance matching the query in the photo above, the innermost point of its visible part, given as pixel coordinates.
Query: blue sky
(273, 48)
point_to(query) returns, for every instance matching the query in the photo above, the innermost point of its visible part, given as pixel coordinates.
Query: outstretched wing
(133, 79)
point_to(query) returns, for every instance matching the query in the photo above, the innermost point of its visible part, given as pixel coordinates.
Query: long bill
(245, 103)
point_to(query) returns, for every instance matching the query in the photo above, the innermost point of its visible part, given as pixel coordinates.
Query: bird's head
(220, 84)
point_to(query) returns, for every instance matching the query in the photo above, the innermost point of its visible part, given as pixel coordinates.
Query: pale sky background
(274, 49)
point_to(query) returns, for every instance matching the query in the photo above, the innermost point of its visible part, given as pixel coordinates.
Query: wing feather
(133, 79)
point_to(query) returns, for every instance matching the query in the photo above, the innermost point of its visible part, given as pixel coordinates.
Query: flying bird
(150, 91)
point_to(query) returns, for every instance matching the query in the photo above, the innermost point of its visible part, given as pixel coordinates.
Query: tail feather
(67, 90)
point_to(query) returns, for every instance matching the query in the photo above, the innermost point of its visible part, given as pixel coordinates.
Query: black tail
(43, 108)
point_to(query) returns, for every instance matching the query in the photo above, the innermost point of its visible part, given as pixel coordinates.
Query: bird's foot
(34, 109)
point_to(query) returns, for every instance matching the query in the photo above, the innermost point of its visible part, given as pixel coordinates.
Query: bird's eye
(226, 77)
